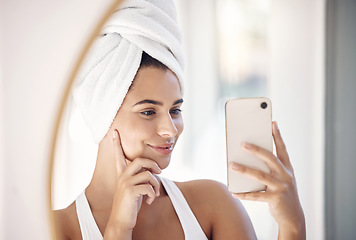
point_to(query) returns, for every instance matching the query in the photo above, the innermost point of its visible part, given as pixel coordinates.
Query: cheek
(132, 135)
(179, 125)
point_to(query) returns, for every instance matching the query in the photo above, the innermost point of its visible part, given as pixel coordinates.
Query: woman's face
(149, 120)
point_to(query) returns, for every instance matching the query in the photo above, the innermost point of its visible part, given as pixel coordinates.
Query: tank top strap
(88, 226)
(191, 227)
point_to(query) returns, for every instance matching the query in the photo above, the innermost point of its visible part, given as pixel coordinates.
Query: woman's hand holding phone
(281, 193)
(134, 181)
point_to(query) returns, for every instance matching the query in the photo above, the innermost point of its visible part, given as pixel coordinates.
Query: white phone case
(247, 121)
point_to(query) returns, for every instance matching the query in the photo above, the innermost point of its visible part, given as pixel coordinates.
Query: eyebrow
(149, 101)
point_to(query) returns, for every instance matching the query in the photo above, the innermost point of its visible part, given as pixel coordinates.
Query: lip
(163, 149)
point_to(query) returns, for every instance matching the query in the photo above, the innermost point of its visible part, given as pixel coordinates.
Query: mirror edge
(63, 103)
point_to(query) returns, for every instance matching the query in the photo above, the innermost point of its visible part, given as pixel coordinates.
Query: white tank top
(192, 229)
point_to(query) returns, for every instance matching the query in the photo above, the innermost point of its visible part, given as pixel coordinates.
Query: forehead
(154, 83)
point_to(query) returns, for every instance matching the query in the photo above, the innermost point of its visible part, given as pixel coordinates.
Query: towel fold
(113, 61)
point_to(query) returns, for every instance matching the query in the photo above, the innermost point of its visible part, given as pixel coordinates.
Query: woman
(127, 199)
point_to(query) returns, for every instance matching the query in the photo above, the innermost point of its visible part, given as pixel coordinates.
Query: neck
(100, 192)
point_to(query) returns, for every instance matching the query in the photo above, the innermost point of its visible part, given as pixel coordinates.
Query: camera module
(264, 105)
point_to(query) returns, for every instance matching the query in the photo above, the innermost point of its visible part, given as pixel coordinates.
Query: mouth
(163, 149)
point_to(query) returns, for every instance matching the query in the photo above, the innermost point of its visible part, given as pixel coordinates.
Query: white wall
(41, 41)
(297, 88)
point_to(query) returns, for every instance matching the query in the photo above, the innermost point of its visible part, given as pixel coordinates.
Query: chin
(163, 163)
(161, 158)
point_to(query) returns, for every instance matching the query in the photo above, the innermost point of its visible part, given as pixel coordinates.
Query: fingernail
(114, 134)
(247, 145)
(236, 195)
(275, 126)
(235, 166)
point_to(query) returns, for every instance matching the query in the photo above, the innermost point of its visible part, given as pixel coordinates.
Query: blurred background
(300, 54)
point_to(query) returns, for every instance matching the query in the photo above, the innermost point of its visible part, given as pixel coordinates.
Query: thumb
(118, 152)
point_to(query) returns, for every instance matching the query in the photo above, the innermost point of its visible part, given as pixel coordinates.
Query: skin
(127, 198)
(281, 193)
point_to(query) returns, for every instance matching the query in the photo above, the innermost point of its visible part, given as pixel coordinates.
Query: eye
(176, 111)
(148, 113)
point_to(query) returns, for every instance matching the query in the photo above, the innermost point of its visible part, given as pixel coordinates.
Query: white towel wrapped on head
(112, 63)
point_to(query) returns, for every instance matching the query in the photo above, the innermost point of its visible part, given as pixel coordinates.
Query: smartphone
(247, 120)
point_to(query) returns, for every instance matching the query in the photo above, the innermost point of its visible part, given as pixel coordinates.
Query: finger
(258, 175)
(144, 190)
(118, 152)
(146, 178)
(269, 158)
(140, 164)
(253, 196)
(281, 149)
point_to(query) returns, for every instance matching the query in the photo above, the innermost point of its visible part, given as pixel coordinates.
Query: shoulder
(66, 223)
(208, 189)
(212, 200)
(202, 185)
(208, 192)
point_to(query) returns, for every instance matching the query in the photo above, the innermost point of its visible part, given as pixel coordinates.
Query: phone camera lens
(264, 105)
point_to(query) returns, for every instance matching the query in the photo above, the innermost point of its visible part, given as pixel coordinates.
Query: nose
(166, 127)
